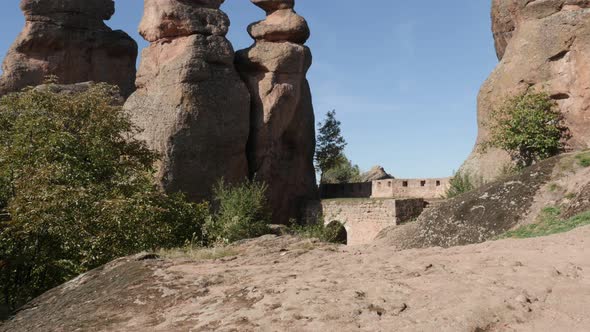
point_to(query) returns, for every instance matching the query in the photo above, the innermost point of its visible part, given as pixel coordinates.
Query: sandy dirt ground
(290, 284)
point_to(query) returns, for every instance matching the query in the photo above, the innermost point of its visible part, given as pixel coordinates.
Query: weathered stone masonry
(363, 219)
(419, 188)
(389, 188)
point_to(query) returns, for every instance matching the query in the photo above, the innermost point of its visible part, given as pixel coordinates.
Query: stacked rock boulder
(282, 134)
(190, 101)
(376, 173)
(542, 46)
(69, 39)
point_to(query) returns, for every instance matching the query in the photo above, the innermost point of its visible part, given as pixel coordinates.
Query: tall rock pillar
(282, 134)
(69, 39)
(190, 100)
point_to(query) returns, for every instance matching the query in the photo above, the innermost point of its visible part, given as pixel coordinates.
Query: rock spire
(68, 39)
(190, 101)
(282, 135)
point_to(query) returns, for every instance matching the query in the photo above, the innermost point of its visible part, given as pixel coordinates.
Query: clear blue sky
(403, 76)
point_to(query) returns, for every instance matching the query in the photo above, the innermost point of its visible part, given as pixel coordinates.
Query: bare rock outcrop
(69, 39)
(291, 284)
(561, 183)
(543, 46)
(282, 138)
(374, 174)
(190, 100)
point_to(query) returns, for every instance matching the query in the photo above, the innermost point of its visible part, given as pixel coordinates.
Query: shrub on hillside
(241, 212)
(462, 182)
(529, 127)
(76, 191)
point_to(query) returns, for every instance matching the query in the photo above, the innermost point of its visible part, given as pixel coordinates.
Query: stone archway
(340, 232)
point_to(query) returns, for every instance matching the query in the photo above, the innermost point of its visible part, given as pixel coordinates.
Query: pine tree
(330, 144)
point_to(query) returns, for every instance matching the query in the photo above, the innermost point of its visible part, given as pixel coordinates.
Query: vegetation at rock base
(529, 127)
(549, 223)
(241, 212)
(462, 182)
(334, 232)
(76, 191)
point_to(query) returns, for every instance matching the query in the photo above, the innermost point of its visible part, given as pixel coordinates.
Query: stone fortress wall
(390, 188)
(346, 190)
(363, 219)
(419, 188)
(365, 209)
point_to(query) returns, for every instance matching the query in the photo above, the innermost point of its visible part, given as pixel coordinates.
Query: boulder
(542, 46)
(68, 39)
(282, 132)
(375, 174)
(190, 101)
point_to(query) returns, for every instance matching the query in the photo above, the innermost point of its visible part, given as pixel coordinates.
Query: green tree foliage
(529, 127)
(242, 212)
(342, 172)
(76, 191)
(330, 144)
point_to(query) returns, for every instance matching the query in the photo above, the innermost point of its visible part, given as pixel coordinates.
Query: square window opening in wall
(422, 183)
(405, 183)
(389, 184)
(438, 183)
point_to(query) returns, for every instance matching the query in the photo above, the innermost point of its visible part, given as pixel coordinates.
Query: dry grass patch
(583, 159)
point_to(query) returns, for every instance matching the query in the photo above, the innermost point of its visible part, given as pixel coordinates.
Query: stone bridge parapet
(363, 219)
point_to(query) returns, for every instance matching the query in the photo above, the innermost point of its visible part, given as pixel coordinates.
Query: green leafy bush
(76, 191)
(529, 127)
(241, 212)
(462, 182)
(334, 232)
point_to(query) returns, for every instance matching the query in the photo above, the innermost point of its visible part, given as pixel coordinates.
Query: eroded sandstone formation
(543, 45)
(190, 100)
(69, 39)
(376, 173)
(282, 138)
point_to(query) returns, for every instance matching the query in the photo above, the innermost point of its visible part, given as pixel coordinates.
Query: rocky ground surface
(492, 209)
(289, 284)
